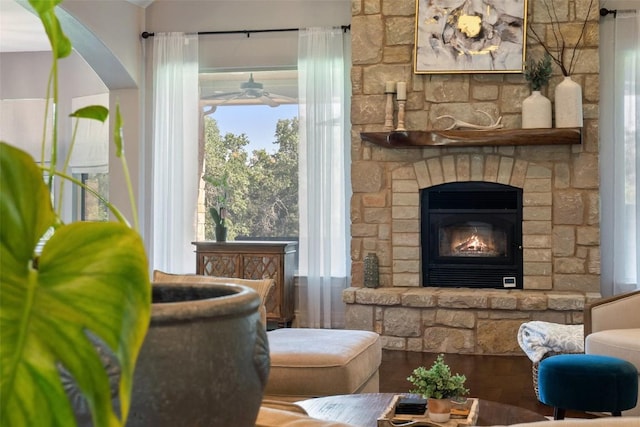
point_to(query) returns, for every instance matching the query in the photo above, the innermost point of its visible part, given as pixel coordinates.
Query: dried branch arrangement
(559, 50)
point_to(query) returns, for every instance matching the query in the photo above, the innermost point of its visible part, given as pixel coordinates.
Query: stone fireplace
(558, 182)
(560, 249)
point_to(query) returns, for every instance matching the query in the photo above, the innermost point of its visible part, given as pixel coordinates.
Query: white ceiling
(21, 30)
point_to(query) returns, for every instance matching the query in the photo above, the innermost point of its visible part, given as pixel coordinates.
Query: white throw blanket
(537, 338)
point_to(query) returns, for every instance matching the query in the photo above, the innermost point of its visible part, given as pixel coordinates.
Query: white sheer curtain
(175, 151)
(620, 158)
(324, 187)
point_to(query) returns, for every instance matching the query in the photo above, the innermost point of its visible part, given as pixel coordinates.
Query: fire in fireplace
(471, 235)
(472, 239)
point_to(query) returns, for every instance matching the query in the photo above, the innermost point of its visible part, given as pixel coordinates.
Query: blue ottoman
(587, 382)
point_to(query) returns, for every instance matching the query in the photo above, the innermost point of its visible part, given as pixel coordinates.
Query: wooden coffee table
(363, 410)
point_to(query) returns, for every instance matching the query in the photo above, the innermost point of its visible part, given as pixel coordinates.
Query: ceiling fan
(250, 91)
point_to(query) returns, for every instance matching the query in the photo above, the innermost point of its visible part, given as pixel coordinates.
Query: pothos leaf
(117, 133)
(60, 43)
(95, 112)
(89, 277)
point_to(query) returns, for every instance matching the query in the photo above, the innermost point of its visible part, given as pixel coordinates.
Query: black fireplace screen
(471, 235)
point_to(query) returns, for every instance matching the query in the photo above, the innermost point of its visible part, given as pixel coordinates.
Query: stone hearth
(457, 320)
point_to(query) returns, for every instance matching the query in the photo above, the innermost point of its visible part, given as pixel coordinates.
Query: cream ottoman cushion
(322, 362)
(621, 343)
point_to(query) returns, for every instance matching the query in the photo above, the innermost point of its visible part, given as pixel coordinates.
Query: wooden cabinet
(254, 260)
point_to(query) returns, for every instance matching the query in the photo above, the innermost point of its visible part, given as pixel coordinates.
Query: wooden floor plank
(505, 379)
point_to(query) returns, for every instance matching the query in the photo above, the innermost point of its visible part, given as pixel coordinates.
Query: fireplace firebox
(471, 235)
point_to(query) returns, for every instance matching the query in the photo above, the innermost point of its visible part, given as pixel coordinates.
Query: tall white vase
(568, 100)
(536, 111)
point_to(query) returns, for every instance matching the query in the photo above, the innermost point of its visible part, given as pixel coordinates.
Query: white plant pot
(568, 100)
(439, 410)
(536, 111)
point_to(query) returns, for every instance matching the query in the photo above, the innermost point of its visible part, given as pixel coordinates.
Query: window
(250, 138)
(87, 206)
(89, 162)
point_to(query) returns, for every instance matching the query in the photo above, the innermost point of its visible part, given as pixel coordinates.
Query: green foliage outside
(94, 208)
(262, 188)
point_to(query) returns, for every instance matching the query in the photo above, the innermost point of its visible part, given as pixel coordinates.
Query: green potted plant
(538, 72)
(65, 286)
(536, 109)
(219, 212)
(438, 386)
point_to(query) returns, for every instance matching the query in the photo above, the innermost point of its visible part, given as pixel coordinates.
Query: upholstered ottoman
(587, 382)
(321, 362)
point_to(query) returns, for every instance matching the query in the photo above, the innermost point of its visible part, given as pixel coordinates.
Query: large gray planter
(204, 361)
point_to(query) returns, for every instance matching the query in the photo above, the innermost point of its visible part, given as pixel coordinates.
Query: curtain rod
(146, 34)
(604, 11)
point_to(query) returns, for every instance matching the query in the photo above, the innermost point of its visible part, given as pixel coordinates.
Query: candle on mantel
(390, 87)
(402, 91)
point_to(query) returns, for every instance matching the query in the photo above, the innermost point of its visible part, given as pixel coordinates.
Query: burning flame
(473, 244)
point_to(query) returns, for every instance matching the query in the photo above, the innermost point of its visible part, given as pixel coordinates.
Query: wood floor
(505, 379)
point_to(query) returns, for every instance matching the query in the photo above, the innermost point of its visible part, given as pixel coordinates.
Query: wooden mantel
(473, 138)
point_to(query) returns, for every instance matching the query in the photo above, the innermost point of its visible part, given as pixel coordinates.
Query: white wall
(237, 50)
(25, 76)
(107, 34)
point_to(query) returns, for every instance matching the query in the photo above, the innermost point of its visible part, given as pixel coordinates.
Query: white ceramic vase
(536, 111)
(568, 100)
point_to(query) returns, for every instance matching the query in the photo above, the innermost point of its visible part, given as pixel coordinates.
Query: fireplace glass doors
(471, 235)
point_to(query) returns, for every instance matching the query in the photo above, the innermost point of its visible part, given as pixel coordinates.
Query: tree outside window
(262, 185)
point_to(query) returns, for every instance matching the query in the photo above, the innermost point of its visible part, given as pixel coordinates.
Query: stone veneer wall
(560, 186)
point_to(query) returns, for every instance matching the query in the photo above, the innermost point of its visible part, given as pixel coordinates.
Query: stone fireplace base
(458, 320)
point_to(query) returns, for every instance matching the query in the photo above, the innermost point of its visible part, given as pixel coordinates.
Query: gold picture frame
(470, 36)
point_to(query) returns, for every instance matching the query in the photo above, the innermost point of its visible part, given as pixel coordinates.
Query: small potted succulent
(438, 386)
(219, 212)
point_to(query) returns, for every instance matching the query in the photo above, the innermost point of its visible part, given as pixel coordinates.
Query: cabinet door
(261, 266)
(266, 266)
(222, 265)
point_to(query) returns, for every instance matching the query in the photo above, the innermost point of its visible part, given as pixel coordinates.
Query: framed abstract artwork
(470, 36)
